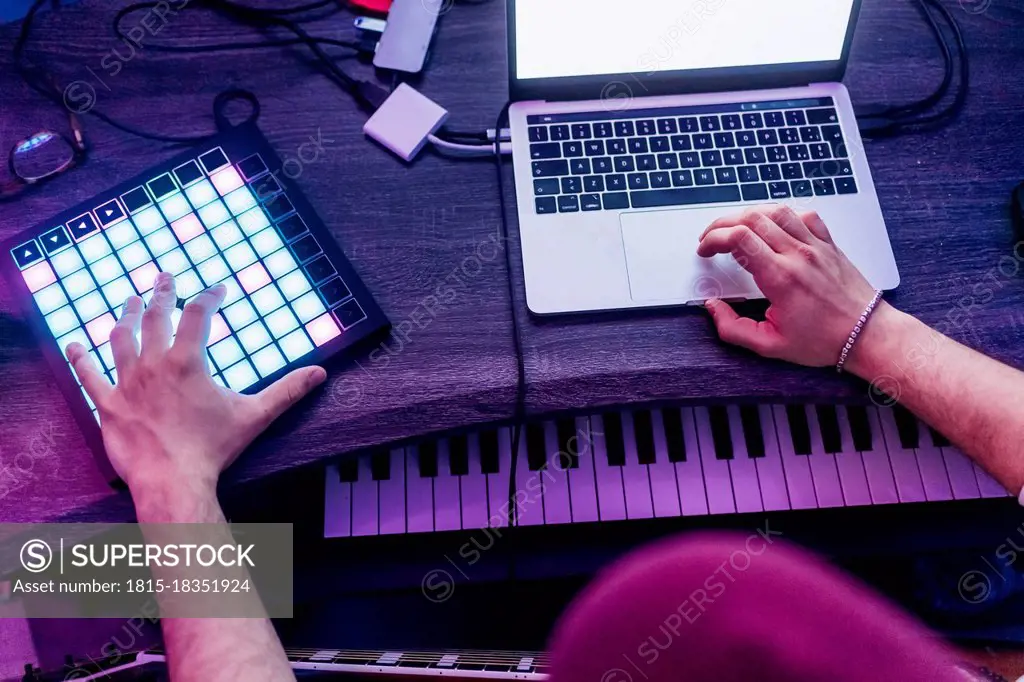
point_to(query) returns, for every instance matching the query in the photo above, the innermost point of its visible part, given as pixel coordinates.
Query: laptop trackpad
(662, 260)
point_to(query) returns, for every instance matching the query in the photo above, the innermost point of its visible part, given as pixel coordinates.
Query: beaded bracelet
(857, 329)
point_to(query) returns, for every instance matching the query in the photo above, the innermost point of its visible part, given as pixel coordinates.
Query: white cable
(466, 150)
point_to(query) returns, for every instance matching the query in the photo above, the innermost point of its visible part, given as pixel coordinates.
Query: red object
(714, 608)
(375, 6)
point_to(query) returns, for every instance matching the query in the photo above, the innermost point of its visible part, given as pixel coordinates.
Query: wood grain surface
(412, 229)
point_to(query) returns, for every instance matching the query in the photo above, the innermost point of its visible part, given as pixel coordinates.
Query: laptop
(636, 124)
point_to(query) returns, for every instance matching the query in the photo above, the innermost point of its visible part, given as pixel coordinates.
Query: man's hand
(166, 420)
(169, 431)
(816, 293)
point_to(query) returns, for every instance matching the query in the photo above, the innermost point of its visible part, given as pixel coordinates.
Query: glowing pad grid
(218, 217)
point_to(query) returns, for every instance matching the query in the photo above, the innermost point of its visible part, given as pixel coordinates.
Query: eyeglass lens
(41, 155)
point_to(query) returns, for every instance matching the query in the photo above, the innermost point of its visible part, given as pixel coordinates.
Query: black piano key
(938, 439)
(906, 425)
(458, 455)
(672, 418)
(568, 443)
(750, 416)
(643, 432)
(828, 424)
(860, 427)
(428, 459)
(536, 456)
(380, 466)
(720, 433)
(489, 460)
(348, 470)
(613, 441)
(799, 429)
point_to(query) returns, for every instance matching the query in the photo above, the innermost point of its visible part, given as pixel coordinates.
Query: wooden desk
(411, 230)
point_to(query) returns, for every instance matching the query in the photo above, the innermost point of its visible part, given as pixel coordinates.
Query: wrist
(872, 352)
(175, 499)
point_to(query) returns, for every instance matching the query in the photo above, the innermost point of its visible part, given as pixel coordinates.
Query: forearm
(973, 400)
(209, 649)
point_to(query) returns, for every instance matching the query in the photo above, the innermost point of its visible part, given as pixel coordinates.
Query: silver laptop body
(629, 137)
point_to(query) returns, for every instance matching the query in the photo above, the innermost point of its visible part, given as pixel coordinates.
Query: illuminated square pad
(204, 217)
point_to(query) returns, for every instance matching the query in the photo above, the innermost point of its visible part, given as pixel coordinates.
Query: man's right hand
(167, 424)
(816, 293)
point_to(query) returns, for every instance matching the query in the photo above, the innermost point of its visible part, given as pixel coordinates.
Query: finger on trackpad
(662, 260)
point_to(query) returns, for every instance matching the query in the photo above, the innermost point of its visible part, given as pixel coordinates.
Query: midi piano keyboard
(653, 463)
(220, 213)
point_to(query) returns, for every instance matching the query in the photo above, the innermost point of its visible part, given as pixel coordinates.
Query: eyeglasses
(43, 156)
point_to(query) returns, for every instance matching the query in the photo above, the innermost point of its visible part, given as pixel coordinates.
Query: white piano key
(337, 505)
(419, 495)
(364, 501)
(693, 497)
(796, 467)
(529, 487)
(389, 658)
(635, 477)
(770, 472)
(497, 483)
(582, 481)
(664, 487)
(745, 485)
(324, 656)
(611, 494)
(988, 486)
(823, 466)
(717, 480)
(932, 467)
(556, 479)
(881, 483)
(447, 499)
(392, 496)
(473, 488)
(852, 476)
(903, 462)
(961, 474)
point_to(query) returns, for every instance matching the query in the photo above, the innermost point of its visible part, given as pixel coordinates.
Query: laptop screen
(571, 38)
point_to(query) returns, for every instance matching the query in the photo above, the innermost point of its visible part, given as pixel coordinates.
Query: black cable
(961, 96)
(319, 4)
(367, 94)
(936, 96)
(218, 47)
(902, 122)
(262, 19)
(37, 83)
(519, 412)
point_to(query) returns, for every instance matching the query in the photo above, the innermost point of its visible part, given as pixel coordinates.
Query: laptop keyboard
(681, 156)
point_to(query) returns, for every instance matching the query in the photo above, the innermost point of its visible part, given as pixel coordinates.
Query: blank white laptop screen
(595, 37)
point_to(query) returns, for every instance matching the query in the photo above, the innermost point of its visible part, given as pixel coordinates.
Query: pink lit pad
(99, 329)
(144, 276)
(38, 276)
(218, 329)
(188, 227)
(254, 277)
(226, 180)
(323, 329)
